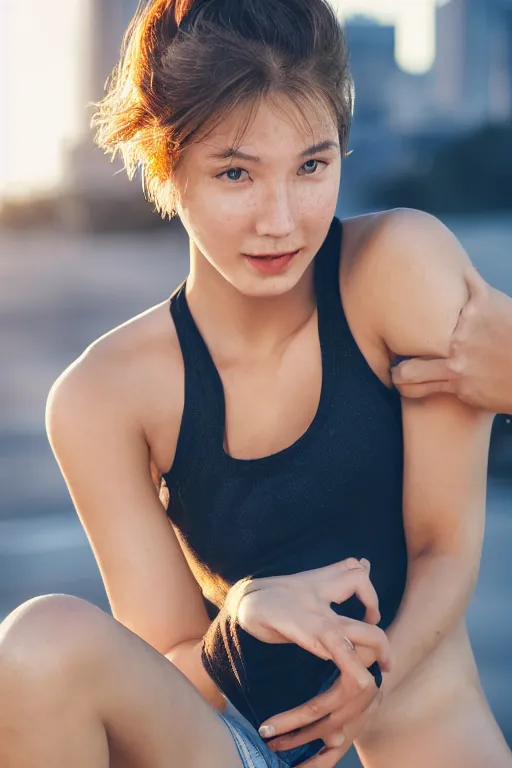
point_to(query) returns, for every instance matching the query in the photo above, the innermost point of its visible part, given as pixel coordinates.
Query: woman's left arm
(446, 446)
(410, 290)
(446, 442)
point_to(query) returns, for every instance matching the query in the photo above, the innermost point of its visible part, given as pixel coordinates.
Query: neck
(237, 324)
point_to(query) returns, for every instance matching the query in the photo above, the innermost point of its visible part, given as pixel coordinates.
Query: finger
(356, 678)
(368, 636)
(310, 712)
(313, 720)
(418, 391)
(337, 730)
(304, 736)
(356, 681)
(476, 284)
(329, 729)
(349, 712)
(349, 564)
(328, 757)
(421, 371)
(342, 586)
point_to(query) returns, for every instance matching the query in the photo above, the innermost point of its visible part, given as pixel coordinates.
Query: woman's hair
(186, 64)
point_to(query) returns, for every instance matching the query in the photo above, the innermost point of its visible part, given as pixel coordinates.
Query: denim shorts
(253, 751)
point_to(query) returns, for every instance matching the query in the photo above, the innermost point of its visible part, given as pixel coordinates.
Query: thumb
(475, 282)
(421, 371)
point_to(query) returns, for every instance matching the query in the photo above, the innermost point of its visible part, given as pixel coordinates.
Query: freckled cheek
(218, 207)
(306, 202)
(222, 235)
(318, 201)
(316, 207)
(227, 214)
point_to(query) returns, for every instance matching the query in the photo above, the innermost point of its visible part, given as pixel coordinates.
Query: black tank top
(335, 493)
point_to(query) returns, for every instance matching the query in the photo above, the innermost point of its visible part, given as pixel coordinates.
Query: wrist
(236, 594)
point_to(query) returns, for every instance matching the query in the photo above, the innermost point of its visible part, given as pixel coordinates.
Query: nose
(275, 217)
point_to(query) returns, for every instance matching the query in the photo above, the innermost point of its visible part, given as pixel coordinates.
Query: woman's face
(281, 199)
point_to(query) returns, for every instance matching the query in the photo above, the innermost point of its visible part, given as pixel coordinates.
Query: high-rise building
(376, 146)
(502, 90)
(87, 169)
(471, 79)
(373, 65)
(102, 25)
(89, 175)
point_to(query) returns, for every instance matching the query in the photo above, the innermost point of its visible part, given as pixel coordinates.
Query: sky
(39, 97)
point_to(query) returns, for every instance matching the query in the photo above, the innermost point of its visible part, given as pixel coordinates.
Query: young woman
(238, 455)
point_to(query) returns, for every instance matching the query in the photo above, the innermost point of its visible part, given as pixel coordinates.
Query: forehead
(275, 123)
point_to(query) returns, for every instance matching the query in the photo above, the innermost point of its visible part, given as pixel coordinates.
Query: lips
(272, 256)
(273, 264)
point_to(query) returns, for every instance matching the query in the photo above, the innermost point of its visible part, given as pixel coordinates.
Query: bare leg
(79, 689)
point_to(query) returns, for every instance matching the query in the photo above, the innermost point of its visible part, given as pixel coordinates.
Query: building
(376, 143)
(373, 65)
(89, 175)
(501, 82)
(473, 70)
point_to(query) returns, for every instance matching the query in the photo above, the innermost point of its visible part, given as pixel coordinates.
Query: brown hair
(185, 64)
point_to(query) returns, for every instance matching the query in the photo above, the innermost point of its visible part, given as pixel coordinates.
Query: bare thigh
(464, 736)
(77, 688)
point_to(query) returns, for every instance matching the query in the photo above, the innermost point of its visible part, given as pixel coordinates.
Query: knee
(53, 636)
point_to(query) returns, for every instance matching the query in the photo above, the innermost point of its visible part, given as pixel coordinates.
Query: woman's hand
(479, 367)
(297, 609)
(324, 717)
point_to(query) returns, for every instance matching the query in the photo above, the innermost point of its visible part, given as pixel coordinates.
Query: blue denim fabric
(253, 750)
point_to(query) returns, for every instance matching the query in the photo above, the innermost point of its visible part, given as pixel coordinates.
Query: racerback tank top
(334, 493)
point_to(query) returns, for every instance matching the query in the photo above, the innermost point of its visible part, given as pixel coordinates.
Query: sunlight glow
(40, 93)
(415, 20)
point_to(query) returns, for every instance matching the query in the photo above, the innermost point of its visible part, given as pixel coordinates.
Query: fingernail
(267, 731)
(365, 563)
(338, 740)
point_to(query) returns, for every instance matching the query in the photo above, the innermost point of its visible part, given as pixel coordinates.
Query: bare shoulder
(130, 379)
(405, 271)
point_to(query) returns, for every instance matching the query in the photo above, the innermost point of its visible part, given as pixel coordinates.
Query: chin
(254, 285)
(268, 287)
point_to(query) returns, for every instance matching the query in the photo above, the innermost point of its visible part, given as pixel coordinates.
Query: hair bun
(260, 20)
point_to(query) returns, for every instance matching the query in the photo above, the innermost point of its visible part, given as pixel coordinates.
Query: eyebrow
(232, 153)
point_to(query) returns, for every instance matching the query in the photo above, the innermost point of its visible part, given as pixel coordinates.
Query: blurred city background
(81, 251)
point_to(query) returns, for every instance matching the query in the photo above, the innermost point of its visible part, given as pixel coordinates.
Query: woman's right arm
(104, 457)
(101, 447)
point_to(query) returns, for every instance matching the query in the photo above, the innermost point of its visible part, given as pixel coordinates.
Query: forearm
(507, 394)
(506, 344)
(187, 657)
(438, 591)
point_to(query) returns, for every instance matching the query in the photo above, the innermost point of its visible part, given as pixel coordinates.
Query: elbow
(458, 571)
(183, 646)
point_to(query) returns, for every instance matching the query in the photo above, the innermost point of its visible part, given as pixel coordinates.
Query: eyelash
(236, 168)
